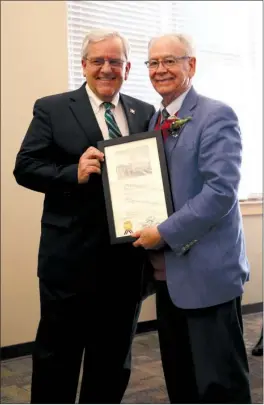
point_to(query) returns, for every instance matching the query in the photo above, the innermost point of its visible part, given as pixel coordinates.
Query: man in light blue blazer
(198, 253)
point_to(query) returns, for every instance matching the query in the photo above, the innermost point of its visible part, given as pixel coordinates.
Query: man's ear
(84, 63)
(192, 64)
(128, 66)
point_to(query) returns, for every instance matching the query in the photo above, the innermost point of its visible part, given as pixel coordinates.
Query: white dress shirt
(99, 111)
(176, 104)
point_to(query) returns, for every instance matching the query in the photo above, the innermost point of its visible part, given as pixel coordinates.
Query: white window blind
(228, 37)
(138, 21)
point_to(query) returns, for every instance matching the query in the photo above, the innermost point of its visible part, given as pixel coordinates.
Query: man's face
(172, 80)
(106, 79)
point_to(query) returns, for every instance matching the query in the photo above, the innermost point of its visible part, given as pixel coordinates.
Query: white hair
(99, 34)
(184, 39)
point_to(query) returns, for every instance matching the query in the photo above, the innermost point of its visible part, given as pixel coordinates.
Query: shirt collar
(176, 104)
(96, 101)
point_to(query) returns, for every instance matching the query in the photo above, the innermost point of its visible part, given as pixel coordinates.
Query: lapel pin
(132, 111)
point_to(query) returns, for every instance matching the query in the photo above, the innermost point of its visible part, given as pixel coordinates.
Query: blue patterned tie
(114, 131)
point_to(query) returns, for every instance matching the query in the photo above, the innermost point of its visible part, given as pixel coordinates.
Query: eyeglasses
(99, 62)
(168, 63)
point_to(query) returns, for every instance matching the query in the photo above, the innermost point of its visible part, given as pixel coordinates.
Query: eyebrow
(164, 57)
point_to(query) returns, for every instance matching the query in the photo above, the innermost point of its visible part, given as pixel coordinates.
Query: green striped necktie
(114, 131)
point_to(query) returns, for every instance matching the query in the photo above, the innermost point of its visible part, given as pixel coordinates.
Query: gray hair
(184, 39)
(99, 34)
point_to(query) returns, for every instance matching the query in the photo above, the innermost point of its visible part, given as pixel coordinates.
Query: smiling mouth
(104, 79)
(163, 80)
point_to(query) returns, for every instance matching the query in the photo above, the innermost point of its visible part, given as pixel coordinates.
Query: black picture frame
(111, 143)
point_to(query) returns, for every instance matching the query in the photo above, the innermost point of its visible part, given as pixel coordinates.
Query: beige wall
(34, 64)
(253, 225)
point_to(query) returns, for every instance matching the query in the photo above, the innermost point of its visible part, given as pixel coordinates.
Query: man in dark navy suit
(90, 291)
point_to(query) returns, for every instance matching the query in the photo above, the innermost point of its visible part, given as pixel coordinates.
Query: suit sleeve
(35, 167)
(219, 161)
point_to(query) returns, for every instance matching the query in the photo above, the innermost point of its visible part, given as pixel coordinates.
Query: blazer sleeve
(219, 161)
(35, 167)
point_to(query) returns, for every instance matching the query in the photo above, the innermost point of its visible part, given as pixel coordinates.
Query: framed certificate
(136, 184)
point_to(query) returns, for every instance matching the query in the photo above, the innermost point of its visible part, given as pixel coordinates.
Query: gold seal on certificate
(128, 227)
(136, 183)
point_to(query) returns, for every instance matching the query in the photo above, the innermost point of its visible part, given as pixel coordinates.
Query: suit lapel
(83, 112)
(153, 120)
(186, 110)
(130, 113)
(188, 104)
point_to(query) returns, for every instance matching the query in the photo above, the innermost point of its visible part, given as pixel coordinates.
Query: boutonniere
(177, 124)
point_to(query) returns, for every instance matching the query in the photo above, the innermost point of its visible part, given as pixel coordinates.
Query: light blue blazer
(204, 169)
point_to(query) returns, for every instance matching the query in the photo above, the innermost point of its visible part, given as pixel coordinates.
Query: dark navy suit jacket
(204, 168)
(74, 244)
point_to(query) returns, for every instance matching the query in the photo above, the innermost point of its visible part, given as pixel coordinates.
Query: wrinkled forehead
(165, 47)
(108, 47)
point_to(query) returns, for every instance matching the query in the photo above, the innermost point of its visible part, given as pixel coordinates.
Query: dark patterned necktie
(114, 131)
(165, 115)
(163, 123)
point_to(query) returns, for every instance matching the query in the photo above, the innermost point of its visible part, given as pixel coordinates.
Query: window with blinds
(138, 21)
(228, 38)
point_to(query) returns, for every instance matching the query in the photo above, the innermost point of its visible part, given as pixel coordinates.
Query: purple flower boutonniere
(177, 124)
